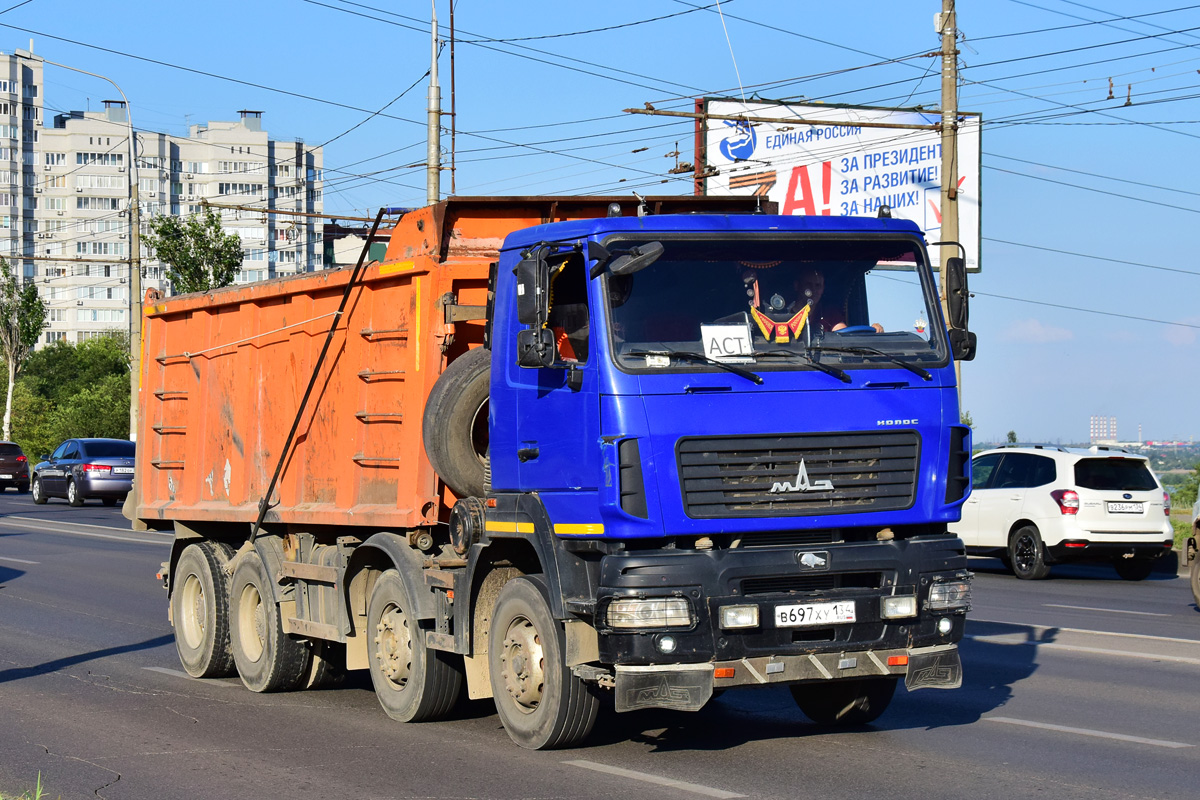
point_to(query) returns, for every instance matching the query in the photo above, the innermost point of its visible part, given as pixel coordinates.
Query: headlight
(656, 612)
(899, 606)
(949, 595)
(739, 616)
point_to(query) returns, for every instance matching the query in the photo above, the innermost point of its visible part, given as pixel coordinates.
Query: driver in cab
(810, 287)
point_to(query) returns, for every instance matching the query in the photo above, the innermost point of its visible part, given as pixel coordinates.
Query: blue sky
(1064, 168)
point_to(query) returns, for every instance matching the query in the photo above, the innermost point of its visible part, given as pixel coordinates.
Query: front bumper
(687, 687)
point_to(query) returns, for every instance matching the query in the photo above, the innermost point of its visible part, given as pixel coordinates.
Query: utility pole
(947, 25)
(433, 156)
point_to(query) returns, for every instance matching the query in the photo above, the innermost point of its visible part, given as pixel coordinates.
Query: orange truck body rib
(223, 373)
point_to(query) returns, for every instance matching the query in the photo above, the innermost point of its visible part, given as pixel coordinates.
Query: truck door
(558, 407)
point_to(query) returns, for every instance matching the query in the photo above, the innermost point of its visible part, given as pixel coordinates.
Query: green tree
(60, 370)
(22, 318)
(1185, 494)
(964, 417)
(99, 410)
(199, 255)
(33, 427)
(1012, 437)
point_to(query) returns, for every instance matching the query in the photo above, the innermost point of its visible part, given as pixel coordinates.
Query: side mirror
(637, 259)
(535, 348)
(956, 292)
(533, 289)
(962, 344)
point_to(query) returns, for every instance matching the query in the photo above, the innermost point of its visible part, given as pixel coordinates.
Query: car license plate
(5, 477)
(1124, 508)
(814, 614)
(122, 470)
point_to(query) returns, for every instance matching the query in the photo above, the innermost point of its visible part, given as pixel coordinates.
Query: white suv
(1042, 505)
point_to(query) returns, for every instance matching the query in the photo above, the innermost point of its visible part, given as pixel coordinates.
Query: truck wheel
(39, 496)
(268, 660)
(73, 495)
(414, 683)
(1196, 582)
(1134, 569)
(1027, 555)
(847, 702)
(200, 610)
(454, 427)
(542, 704)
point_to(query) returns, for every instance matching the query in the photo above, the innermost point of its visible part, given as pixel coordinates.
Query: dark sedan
(14, 467)
(83, 468)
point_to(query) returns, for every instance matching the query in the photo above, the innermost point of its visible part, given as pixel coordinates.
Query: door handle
(527, 454)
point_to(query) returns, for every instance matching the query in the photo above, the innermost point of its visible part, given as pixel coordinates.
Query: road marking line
(1089, 732)
(655, 779)
(41, 520)
(175, 673)
(1085, 630)
(999, 639)
(43, 525)
(17, 560)
(1109, 610)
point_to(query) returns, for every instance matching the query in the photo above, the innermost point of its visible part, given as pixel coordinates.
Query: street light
(135, 249)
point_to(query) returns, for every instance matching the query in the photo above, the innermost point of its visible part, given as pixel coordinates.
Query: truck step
(312, 630)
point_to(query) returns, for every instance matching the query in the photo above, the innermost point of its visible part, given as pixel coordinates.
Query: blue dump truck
(666, 448)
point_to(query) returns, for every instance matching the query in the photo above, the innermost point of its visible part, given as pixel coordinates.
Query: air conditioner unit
(78, 302)
(61, 213)
(189, 176)
(121, 236)
(154, 194)
(79, 188)
(47, 168)
(122, 280)
(120, 169)
(38, 190)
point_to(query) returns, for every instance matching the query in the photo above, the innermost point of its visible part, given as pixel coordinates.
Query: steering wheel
(856, 329)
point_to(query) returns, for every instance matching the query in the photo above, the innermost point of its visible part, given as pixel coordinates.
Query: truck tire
(200, 612)
(414, 683)
(1196, 581)
(1134, 569)
(542, 704)
(267, 659)
(1027, 555)
(454, 427)
(847, 702)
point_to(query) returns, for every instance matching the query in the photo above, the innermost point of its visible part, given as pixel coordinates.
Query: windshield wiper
(699, 358)
(871, 351)
(826, 368)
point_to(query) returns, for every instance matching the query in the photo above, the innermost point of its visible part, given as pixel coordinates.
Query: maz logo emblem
(814, 561)
(802, 484)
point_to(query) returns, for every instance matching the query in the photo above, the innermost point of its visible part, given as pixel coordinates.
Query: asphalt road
(1081, 686)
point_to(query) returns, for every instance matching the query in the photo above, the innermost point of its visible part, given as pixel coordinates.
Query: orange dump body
(223, 374)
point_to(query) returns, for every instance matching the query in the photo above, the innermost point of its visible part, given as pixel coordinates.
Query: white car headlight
(652, 612)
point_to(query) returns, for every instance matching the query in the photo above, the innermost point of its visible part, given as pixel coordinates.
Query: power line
(1091, 257)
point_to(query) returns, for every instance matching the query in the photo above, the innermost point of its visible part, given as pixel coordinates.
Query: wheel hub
(523, 665)
(394, 646)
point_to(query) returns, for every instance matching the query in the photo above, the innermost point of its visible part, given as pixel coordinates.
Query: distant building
(1103, 430)
(344, 244)
(68, 198)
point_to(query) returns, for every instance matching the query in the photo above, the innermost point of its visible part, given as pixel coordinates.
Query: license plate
(814, 614)
(5, 477)
(1124, 508)
(122, 470)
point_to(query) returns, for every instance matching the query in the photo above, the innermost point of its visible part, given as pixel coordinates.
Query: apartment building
(68, 219)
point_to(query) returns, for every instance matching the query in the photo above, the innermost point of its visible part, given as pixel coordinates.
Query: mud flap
(933, 668)
(682, 687)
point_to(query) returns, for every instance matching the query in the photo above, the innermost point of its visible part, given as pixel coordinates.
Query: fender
(406, 560)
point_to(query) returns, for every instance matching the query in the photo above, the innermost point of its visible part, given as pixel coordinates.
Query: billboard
(844, 169)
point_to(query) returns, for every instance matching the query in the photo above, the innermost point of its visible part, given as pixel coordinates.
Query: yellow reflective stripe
(403, 266)
(508, 527)
(585, 529)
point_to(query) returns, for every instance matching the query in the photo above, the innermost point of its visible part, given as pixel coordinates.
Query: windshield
(776, 304)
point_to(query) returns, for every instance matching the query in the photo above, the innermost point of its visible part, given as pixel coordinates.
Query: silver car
(79, 469)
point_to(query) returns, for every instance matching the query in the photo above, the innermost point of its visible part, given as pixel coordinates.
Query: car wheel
(36, 488)
(73, 495)
(1134, 569)
(1027, 554)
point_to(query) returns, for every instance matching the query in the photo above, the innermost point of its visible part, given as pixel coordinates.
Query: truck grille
(743, 476)
(784, 584)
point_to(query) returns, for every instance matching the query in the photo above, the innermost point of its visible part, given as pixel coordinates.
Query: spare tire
(455, 425)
